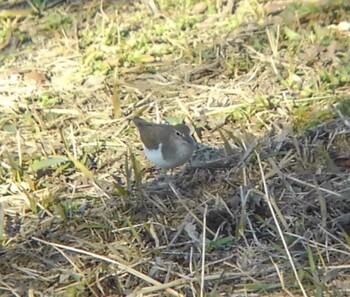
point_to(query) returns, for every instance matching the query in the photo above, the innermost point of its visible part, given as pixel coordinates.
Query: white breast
(156, 157)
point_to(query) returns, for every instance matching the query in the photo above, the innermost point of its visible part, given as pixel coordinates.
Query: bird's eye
(178, 133)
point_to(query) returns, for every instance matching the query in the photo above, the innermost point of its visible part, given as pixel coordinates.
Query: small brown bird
(166, 146)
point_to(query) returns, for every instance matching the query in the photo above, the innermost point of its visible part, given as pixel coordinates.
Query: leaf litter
(262, 210)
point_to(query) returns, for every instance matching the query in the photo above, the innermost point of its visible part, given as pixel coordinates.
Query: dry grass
(264, 208)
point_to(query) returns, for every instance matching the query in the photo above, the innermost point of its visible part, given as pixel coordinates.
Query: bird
(166, 146)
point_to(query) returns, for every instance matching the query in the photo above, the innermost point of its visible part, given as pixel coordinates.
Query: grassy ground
(264, 209)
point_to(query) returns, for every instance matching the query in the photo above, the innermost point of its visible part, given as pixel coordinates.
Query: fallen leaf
(190, 229)
(199, 8)
(342, 162)
(34, 76)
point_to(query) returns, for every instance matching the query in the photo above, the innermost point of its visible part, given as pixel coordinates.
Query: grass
(264, 208)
